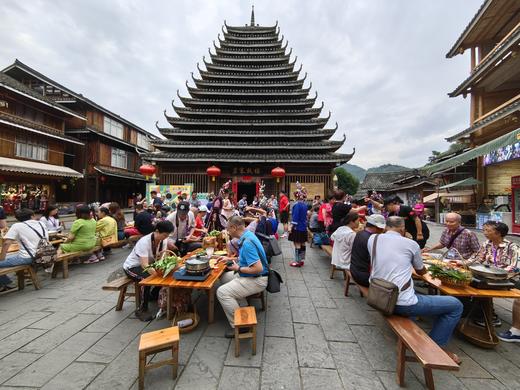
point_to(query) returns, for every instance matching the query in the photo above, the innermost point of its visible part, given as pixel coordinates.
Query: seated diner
(82, 235)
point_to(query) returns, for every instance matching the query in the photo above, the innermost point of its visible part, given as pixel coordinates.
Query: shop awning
(462, 183)
(450, 195)
(507, 139)
(36, 168)
(121, 174)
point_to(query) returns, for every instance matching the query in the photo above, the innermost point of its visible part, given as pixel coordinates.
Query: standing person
(156, 200)
(194, 201)
(144, 253)
(249, 274)
(228, 210)
(298, 229)
(360, 258)
(316, 200)
(142, 222)
(416, 227)
(343, 239)
(457, 236)
(393, 257)
(256, 202)
(242, 204)
(325, 213)
(274, 205)
(27, 231)
(50, 219)
(339, 210)
(284, 213)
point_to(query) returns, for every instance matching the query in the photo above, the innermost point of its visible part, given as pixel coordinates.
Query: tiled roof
(382, 181)
(109, 171)
(246, 132)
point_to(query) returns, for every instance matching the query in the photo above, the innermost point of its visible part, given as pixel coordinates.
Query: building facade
(108, 152)
(247, 113)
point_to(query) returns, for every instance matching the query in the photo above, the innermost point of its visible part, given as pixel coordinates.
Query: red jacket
(284, 203)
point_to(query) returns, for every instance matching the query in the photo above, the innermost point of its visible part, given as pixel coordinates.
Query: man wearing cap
(183, 221)
(360, 258)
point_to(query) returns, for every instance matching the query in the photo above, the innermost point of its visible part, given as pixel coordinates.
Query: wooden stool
(334, 269)
(261, 296)
(245, 317)
(155, 342)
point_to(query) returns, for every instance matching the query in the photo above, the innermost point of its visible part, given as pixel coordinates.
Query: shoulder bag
(274, 279)
(382, 294)
(45, 253)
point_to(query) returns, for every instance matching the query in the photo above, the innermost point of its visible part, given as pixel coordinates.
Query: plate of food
(213, 263)
(220, 253)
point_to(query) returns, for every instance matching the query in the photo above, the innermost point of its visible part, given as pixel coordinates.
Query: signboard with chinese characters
(246, 171)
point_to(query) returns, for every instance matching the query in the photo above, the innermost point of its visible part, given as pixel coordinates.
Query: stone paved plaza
(68, 336)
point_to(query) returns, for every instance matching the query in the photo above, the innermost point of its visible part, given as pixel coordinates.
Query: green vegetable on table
(165, 265)
(214, 233)
(438, 271)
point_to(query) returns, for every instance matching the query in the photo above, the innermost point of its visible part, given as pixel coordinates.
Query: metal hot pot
(485, 271)
(197, 265)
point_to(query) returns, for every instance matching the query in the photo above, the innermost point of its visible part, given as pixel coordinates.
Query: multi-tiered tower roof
(250, 105)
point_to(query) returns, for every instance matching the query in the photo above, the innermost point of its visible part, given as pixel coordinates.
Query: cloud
(378, 65)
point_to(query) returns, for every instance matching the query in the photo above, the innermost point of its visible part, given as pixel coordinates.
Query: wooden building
(248, 113)
(33, 147)
(493, 135)
(109, 154)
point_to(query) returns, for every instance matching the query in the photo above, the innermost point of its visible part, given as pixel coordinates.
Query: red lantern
(278, 172)
(147, 170)
(213, 172)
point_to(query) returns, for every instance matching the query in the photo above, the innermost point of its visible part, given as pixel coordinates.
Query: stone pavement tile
(239, 378)
(280, 378)
(75, 376)
(297, 288)
(355, 381)
(509, 351)
(312, 280)
(443, 379)
(246, 358)
(356, 314)
(205, 365)
(482, 384)
(315, 378)
(389, 380)
(470, 368)
(280, 352)
(59, 334)
(14, 363)
(279, 329)
(44, 369)
(493, 362)
(303, 311)
(321, 298)
(313, 350)
(217, 328)
(111, 319)
(21, 322)
(292, 273)
(160, 378)
(70, 304)
(18, 340)
(334, 326)
(111, 345)
(15, 388)
(279, 312)
(102, 307)
(52, 320)
(349, 356)
(379, 349)
(335, 287)
(188, 342)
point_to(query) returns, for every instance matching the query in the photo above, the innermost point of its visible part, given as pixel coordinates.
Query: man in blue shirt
(248, 274)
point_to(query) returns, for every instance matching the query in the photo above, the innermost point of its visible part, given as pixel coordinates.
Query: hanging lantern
(278, 172)
(147, 170)
(213, 172)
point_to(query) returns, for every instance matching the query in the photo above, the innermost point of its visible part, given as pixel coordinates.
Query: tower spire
(253, 15)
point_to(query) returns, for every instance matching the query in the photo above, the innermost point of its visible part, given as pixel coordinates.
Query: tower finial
(253, 15)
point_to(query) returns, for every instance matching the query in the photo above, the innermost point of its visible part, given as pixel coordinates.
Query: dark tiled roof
(246, 132)
(248, 157)
(109, 171)
(382, 181)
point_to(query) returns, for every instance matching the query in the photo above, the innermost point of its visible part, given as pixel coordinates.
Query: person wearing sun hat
(298, 226)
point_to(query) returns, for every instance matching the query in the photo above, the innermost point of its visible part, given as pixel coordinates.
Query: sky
(379, 65)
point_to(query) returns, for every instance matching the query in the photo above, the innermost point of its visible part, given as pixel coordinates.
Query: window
(119, 158)
(27, 147)
(142, 141)
(113, 128)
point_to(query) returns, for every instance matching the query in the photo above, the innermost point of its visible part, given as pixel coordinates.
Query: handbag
(382, 294)
(270, 244)
(273, 281)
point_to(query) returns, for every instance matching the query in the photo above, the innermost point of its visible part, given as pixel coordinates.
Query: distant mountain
(356, 171)
(388, 168)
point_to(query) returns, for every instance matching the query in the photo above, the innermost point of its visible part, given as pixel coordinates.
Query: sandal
(454, 357)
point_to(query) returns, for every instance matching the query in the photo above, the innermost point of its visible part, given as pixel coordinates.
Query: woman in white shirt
(343, 239)
(50, 219)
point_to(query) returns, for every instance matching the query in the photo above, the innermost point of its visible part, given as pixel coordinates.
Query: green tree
(346, 181)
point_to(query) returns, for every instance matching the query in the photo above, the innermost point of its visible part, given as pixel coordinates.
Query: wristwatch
(239, 269)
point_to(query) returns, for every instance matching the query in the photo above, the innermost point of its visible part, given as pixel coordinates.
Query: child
(298, 230)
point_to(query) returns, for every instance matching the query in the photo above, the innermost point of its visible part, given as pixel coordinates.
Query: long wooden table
(484, 337)
(171, 283)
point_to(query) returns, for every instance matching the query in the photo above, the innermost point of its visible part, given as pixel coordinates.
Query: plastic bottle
(184, 323)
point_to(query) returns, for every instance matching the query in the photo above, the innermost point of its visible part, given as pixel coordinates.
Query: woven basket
(184, 316)
(454, 282)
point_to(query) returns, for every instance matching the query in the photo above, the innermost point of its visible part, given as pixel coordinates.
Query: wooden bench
(134, 239)
(62, 262)
(426, 352)
(245, 317)
(20, 271)
(333, 269)
(118, 244)
(122, 285)
(152, 343)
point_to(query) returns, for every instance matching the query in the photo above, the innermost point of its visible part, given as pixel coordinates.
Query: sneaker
(92, 259)
(230, 333)
(143, 315)
(101, 258)
(160, 314)
(508, 337)
(49, 269)
(495, 322)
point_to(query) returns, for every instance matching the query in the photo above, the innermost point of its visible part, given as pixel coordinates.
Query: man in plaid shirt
(458, 237)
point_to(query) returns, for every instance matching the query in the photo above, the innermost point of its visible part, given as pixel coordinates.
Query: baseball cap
(203, 209)
(377, 220)
(183, 207)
